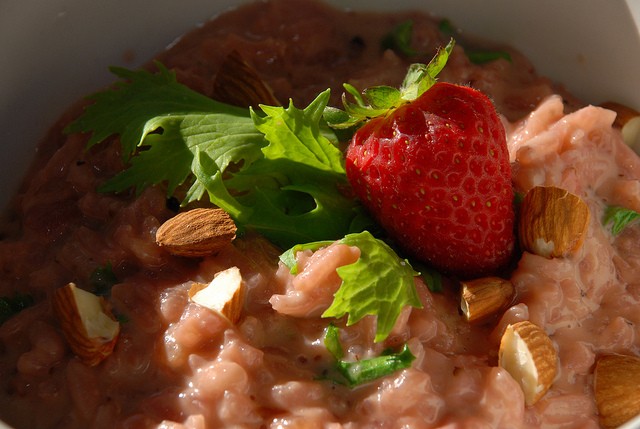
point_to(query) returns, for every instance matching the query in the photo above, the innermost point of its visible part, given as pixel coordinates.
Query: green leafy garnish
(368, 369)
(399, 39)
(173, 123)
(103, 279)
(379, 283)
(286, 171)
(10, 306)
(483, 57)
(431, 277)
(620, 217)
(382, 99)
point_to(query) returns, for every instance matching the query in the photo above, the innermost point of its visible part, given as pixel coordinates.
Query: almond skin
(617, 389)
(86, 323)
(236, 83)
(553, 222)
(527, 353)
(484, 297)
(197, 233)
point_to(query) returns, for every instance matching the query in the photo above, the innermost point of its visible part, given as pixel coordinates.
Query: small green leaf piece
(431, 277)
(103, 279)
(620, 217)
(483, 57)
(332, 342)
(10, 306)
(366, 370)
(399, 39)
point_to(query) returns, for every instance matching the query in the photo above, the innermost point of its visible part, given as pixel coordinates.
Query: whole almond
(527, 353)
(617, 389)
(553, 222)
(483, 297)
(197, 233)
(86, 323)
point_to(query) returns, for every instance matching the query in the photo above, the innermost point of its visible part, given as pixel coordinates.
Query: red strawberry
(435, 173)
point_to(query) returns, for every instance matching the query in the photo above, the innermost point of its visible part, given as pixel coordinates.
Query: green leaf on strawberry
(384, 99)
(433, 170)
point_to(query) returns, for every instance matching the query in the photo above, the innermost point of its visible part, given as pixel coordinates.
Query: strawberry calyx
(384, 99)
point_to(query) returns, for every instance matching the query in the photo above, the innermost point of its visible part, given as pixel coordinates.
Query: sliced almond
(225, 294)
(483, 297)
(86, 322)
(628, 120)
(236, 83)
(197, 233)
(527, 353)
(553, 222)
(617, 389)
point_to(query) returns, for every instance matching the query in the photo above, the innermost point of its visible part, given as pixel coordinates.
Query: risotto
(178, 364)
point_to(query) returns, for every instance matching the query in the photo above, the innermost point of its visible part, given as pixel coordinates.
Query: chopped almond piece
(483, 297)
(86, 323)
(225, 294)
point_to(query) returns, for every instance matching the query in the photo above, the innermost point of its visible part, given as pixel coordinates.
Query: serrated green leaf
(288, 169)
(380, 283)
(131, 104)
(291, 194)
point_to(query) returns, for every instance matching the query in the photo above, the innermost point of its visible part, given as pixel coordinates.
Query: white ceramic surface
(53, 52)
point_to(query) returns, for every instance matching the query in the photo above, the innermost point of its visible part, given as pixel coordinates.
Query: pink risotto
(177, 364)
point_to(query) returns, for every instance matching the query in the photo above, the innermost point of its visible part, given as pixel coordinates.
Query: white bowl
(54, 52)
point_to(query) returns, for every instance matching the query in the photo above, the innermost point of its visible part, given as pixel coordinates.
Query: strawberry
(432, 167)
